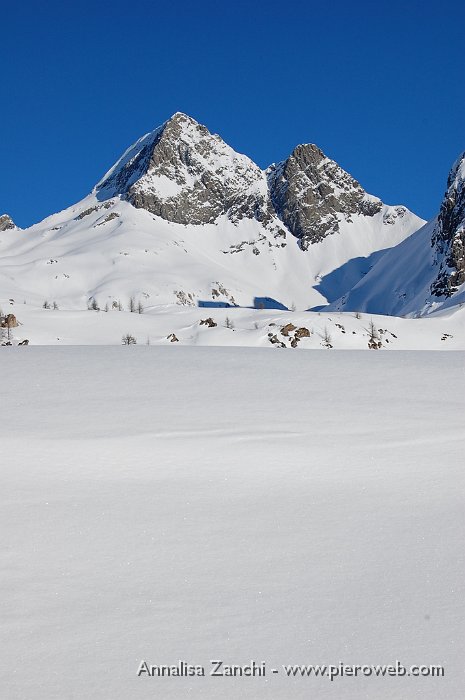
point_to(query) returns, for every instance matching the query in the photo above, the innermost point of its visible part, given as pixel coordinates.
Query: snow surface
(173, 503)
(400, 280)
(70, 259)
(444, 330)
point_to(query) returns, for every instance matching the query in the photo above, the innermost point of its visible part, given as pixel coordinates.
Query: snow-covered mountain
(425, 272)
(182, 218)
(313, 196)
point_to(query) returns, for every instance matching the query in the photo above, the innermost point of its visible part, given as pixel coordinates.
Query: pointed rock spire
(309, 192)
(184, 174)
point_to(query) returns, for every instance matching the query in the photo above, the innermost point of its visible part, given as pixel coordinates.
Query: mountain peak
(181, 124)
(312, 194)
(6, 223)
(184, 174)
(307, 148)
(457, 173)
(179, 117)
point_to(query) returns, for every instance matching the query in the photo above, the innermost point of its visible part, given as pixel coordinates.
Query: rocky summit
(181, 218)
(6, 222)
(184, 174)
(311, 193)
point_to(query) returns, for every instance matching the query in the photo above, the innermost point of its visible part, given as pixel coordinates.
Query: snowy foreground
(260, 328)
(170, 503)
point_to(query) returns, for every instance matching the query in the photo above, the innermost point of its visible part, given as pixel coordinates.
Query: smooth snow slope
(423, 273)
(71, 259)
(165, 504)
(400, 282)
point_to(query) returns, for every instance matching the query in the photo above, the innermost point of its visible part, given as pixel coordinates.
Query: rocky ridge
(183, 219)
(448, 239)
(311, 193)
(184, 174)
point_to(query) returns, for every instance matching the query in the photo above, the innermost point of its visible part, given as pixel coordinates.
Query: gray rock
(187, 175)
(6, 223)
(310, 193)
(448, 238)
(208, 322)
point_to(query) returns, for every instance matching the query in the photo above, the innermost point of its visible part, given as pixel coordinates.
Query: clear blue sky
(379, 86)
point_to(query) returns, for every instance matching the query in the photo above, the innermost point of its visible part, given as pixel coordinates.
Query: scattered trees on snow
(327, 340)
(374, 341)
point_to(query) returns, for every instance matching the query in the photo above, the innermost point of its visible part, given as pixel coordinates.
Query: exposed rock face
(209, 322)
(8, 321)
(288, 328)
(311, 193)
(6, 223)
(184, 174)
(448, 237)
(302, 333)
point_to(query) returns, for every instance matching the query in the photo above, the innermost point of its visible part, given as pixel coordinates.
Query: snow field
(236, 504)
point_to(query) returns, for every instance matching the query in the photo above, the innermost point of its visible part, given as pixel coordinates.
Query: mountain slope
(425, 272)
(182, 218)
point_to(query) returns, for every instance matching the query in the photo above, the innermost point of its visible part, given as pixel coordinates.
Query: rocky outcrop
(448, 238)
(6, 223)
(209, 322)
(288, 328)
(8, 321)
(311, 193)
(184, 174)
(302, 333)
(299, 333)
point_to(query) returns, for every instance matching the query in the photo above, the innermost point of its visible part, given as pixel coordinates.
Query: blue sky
(377, 85)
